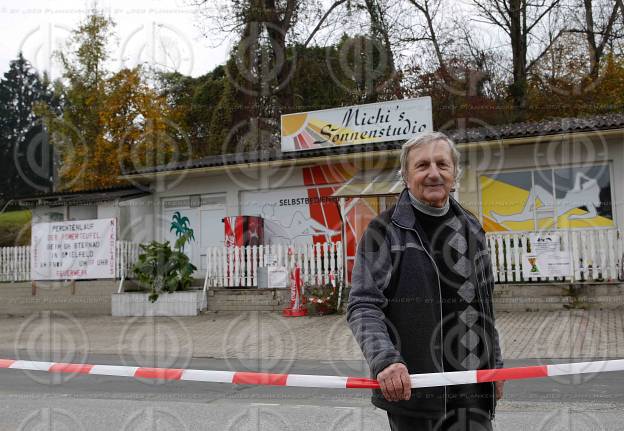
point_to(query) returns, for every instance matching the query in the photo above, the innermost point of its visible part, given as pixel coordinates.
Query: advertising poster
(551, 264)
(73, 250)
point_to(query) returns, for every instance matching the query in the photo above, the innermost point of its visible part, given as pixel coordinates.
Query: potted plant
(163, 269)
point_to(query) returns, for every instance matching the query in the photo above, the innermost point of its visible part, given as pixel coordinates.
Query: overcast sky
(161, 32)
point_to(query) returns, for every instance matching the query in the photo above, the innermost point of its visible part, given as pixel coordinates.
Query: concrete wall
(93, 298)
(88, 299)
(248, 299)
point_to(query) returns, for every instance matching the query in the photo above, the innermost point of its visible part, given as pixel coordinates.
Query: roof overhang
(363, 158)
(385, 182)
(81, 198)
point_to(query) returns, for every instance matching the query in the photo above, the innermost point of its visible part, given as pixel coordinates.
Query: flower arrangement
(322, 299)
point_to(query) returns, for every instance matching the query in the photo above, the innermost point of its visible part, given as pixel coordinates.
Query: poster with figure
(550, 264)
(559, 198)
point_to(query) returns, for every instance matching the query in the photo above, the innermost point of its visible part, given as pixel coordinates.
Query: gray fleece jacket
(394, 305)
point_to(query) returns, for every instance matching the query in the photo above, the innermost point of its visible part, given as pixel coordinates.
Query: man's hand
(394, 382)
(499, 389)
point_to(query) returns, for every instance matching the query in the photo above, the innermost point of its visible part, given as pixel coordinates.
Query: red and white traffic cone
(296, 308)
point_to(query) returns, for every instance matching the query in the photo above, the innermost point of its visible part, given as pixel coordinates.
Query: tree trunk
(518, 35)
(379, 30)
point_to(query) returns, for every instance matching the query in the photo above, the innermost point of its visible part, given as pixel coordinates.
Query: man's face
(430, 173)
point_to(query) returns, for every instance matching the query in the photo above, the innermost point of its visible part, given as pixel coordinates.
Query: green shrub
(15, 228)
(163, 269)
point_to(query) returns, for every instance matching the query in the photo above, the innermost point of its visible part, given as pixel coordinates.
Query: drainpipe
(344, 251)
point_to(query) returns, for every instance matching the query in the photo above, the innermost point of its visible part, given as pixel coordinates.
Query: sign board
(395, 120)
(273, 277)
(73, 250)
(551, 264)
(545, 243)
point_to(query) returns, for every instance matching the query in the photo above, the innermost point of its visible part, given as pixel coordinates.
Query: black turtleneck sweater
(438, 234)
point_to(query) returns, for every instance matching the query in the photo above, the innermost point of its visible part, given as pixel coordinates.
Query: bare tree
(461, 60)
(596, 21)
(428, 13)
(322, 20)
(382, 17)
(485, 70)
(519, 20)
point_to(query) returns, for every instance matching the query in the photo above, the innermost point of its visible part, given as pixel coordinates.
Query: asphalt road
(38, 401)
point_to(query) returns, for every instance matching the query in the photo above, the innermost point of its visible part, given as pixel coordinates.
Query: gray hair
(424, 139)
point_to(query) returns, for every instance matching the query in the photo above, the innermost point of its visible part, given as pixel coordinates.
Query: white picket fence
(127, 255)
(15, 261)
(238, 266)
(596, 254)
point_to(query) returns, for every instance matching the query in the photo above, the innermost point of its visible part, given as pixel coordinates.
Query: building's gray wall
(82, 212)
(136, 219)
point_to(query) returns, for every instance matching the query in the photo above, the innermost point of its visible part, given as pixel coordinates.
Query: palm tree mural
(182, 228)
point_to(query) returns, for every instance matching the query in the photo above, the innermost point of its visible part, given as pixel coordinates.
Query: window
(558, 198)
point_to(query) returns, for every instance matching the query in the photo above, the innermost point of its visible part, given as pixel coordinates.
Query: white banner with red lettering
(73, 250)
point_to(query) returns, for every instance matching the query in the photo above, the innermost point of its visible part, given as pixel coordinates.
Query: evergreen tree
(25, 155)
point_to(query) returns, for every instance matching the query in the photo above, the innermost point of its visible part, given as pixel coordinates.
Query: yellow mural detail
(507, 208)
(599, 221)
(502, 198)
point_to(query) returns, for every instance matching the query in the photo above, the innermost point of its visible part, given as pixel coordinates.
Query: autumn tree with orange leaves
(111, 123)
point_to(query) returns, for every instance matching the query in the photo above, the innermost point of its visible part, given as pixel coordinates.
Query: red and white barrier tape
(313, 381)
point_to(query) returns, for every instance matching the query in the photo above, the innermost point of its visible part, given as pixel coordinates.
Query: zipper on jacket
(440, 295)
(490, 314)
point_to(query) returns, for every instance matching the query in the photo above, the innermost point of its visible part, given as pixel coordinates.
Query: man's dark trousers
(456, 420)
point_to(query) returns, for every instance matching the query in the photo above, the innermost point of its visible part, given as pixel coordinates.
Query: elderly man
(421, 297)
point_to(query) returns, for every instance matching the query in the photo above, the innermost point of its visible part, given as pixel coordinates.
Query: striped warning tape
(313, 381)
